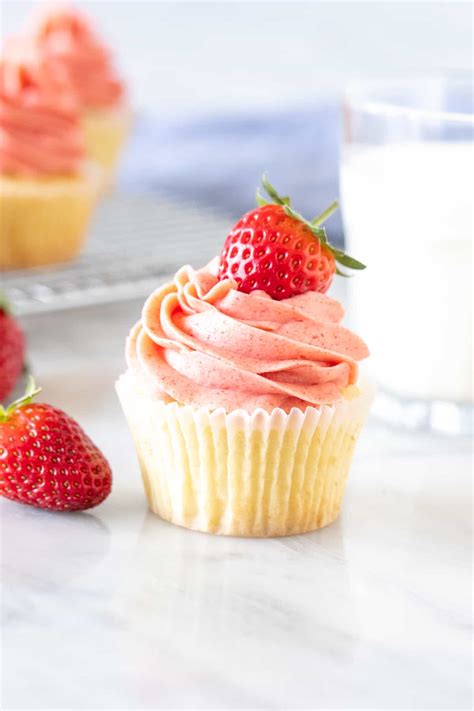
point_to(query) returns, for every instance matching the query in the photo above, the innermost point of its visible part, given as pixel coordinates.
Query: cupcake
(47, 190)
(68, 38)
(242, 390)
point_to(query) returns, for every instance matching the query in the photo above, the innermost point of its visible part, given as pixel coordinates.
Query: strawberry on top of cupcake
(275, 249)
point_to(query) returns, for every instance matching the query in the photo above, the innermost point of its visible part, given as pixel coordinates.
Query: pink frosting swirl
(40, 132)
(68, 38)
(202, 342)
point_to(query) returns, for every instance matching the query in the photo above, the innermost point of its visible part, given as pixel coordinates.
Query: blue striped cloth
(217, 160)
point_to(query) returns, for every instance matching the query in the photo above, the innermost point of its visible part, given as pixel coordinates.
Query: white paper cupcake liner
(264, 474)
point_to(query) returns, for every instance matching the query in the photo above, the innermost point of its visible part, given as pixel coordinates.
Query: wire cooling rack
(134, 241)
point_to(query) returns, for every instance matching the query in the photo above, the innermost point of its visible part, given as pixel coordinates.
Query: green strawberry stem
(324, 215)
(31, 392)
(315, 225)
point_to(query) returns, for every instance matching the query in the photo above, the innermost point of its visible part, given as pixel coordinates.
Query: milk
(408, 215)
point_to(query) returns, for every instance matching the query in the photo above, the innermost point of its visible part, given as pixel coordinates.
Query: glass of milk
(407, 189)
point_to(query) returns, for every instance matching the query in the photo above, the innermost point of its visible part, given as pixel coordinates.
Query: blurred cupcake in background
(68, 38)
(47, 189)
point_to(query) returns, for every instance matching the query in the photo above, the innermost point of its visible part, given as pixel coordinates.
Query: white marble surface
(115, 609)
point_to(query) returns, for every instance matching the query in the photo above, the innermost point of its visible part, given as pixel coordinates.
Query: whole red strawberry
(12, 350)
(275, 249)
(47, 460)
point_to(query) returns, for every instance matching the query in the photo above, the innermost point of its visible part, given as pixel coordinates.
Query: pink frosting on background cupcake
(40, 131)
(67, 37)
(204, 343)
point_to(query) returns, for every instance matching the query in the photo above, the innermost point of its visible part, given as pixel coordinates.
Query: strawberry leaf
(314, 225)
(31, 391)
(320, 233)
(292, 213)
(350, 262)
(271, 192)
(261, 202)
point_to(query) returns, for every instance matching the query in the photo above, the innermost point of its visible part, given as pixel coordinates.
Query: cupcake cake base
(239, 474)
(44, 220)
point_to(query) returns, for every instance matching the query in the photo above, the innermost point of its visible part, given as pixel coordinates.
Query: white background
(240, 54)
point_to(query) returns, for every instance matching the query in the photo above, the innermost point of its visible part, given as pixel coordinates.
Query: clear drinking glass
(407, 187)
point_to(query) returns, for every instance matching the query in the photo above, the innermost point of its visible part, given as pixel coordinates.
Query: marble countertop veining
(116, 609)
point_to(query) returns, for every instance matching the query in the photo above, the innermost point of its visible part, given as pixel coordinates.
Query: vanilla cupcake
(47, 190)
(67, 37)
(245, 408)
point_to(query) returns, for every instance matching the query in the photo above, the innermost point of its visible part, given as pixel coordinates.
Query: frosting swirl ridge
(40, 132)
(202, 342)
(68, 38)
